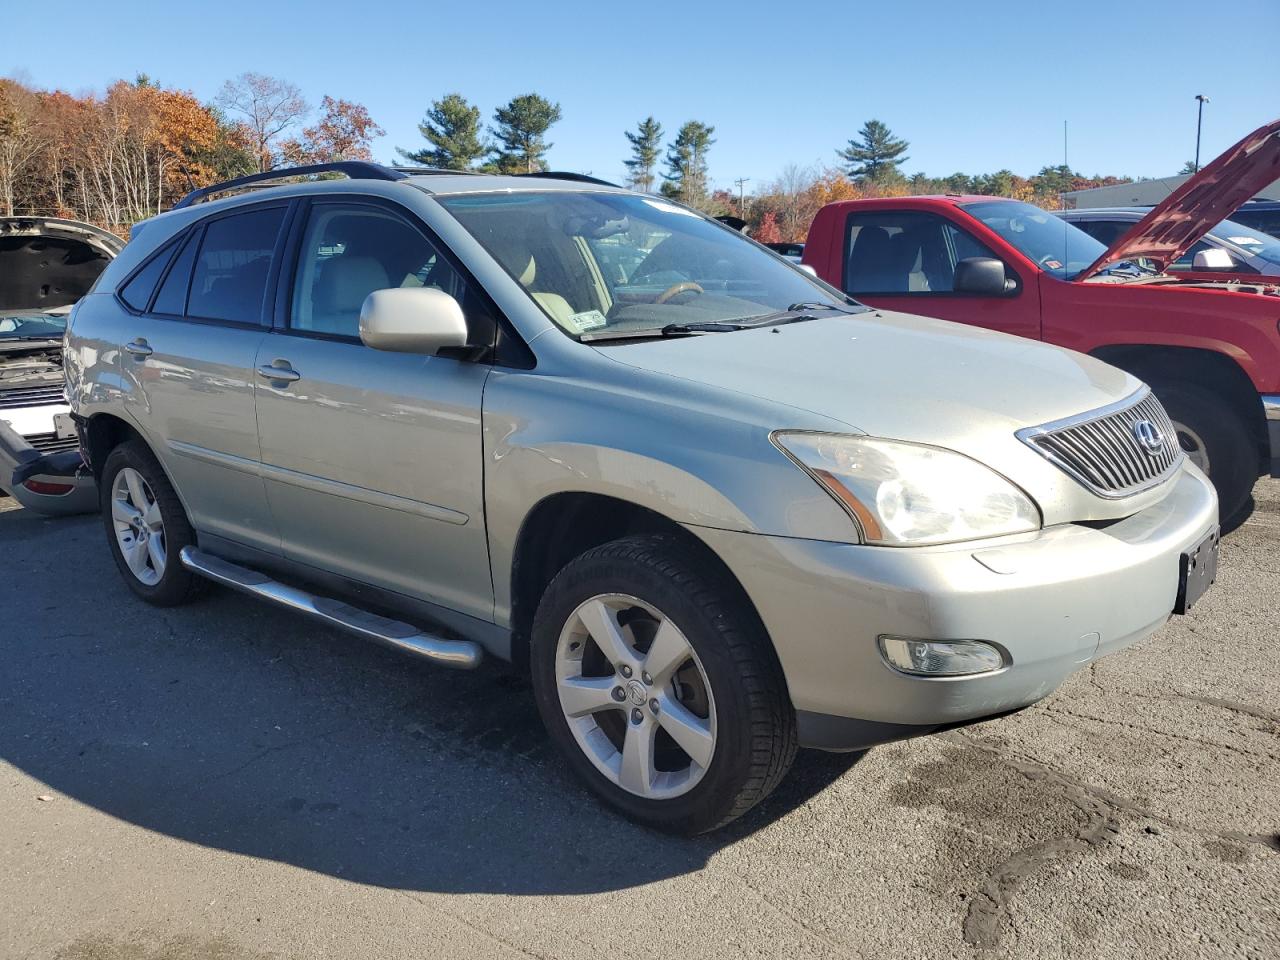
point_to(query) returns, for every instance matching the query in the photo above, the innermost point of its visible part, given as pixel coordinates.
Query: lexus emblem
(1149, 437)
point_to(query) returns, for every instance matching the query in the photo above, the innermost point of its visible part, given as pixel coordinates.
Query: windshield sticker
(1053, 264)
(587, 320)
(668, 207)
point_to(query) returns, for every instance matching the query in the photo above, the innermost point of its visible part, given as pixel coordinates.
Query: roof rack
(355, 169)
(432, 171)
(560, 175)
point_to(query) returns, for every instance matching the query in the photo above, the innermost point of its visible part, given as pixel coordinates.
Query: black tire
(1232, 453)
(755, 722)
(177, 585)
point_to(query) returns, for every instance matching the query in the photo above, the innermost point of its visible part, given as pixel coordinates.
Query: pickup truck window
(1055, 246)
(904, 252)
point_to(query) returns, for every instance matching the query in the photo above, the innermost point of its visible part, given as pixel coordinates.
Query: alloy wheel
(635, 696)
(138, 525)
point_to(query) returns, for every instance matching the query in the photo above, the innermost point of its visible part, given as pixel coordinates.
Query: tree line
(131, 152)
(127, 154)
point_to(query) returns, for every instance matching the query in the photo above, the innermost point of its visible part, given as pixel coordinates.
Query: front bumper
(1271, 407)
(1054, 600)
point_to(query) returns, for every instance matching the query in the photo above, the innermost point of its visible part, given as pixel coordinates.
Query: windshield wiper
(820, 305)
(670, 330)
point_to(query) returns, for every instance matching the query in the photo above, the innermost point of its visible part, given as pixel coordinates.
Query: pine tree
(521, 125)
(646, 148)
(452, 127)
(686, 176)
(876, 155)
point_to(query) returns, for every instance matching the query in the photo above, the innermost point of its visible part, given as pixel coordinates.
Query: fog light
(941, 658)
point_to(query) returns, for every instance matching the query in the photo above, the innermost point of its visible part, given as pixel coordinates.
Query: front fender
(694, 464)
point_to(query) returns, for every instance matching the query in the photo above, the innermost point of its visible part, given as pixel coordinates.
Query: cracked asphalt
(224, 781)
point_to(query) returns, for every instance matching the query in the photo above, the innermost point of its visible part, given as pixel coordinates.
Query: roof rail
(432, 171)
(579, 177)
(355, 169)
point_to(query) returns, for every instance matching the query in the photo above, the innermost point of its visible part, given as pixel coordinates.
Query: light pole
(1202, 100)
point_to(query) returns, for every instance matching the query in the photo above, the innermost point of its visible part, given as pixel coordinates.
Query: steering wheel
(684, 286)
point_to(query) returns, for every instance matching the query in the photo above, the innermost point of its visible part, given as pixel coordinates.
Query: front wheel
(661, 692)
(1213, 437)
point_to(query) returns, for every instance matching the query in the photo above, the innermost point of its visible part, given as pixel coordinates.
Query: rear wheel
(661, 692)
(146, 526)
(1213, 437)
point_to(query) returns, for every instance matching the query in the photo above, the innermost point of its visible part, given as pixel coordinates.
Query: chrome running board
(463, 654)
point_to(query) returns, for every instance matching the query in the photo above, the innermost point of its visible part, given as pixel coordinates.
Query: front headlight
(906, 494)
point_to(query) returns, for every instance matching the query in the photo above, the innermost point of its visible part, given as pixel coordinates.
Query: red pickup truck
(1209, 347)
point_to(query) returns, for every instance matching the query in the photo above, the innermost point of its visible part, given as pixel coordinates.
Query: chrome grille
(11, 397)
(51, 442)
(1102, 451)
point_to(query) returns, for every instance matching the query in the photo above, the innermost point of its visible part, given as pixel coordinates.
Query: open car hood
(47, 262)
(1208, 198)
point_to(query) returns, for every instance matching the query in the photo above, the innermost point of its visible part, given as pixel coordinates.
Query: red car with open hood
(1209, 347)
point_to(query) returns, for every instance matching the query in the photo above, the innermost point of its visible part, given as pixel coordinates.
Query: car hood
(896, 375)
(1200, 204)
(48, 262)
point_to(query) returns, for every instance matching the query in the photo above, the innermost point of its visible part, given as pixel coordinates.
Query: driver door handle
(280, 374)
(139, 348)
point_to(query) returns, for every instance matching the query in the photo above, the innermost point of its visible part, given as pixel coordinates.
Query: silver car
(711, 506)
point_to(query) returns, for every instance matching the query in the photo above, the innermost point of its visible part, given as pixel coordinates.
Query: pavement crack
(1144, 728)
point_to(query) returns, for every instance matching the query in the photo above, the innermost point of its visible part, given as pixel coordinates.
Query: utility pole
(742, 196)
(1065, 164)
(1202, 100)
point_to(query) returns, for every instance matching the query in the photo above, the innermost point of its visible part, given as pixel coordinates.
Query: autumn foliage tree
(344, 132)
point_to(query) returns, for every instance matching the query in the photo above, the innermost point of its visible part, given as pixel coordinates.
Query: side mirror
(412, 320)
(1213, 258)
(984, 276)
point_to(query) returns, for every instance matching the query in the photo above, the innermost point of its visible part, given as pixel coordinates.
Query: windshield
(32, 326)
(1057, 247)
(1253, 242)
(605, 264)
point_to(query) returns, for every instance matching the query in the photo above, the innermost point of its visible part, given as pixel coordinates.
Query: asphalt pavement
(225, 781)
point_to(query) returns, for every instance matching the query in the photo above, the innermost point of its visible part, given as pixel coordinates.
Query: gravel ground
(225, 781)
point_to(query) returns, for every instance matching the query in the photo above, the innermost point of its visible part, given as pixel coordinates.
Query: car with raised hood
(1229, 249)
(711, 506)
(46, 265)
(1208, 345)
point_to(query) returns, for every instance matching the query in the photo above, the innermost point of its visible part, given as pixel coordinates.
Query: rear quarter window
(137, 292)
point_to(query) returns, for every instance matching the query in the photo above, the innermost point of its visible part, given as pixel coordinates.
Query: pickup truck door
(373, 461)
(905, 260)
(197, 316)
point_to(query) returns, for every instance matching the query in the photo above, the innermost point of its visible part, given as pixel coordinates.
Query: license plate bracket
(1197, 569)
(64, 427)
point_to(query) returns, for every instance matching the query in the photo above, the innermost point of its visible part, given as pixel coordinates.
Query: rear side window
(137, 292)
(172, 298)
(905, 252)
(230, 278)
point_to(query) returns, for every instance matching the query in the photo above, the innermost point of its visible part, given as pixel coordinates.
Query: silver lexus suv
(714, 508)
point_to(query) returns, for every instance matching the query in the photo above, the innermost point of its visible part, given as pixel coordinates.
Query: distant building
(1141, 193)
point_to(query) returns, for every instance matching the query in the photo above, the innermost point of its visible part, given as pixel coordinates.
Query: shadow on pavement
(232, 725)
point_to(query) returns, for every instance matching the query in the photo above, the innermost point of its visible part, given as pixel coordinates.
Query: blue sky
(973, 87)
